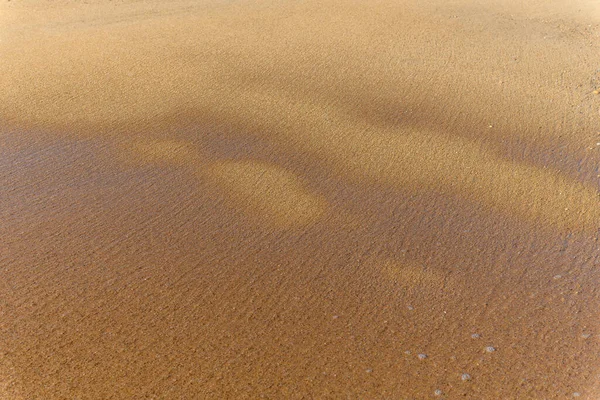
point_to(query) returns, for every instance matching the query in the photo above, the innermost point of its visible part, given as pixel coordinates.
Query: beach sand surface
(299, 200)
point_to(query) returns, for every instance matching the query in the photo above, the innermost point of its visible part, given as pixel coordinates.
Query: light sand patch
(267, 192)
(417, 159)
(409, 275)
(458, 167)
(168, 151)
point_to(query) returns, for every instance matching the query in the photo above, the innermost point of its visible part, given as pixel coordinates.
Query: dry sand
(293, 200)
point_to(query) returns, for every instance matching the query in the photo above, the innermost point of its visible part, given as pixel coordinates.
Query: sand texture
(333, 199)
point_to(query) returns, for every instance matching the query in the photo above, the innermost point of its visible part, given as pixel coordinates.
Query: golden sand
(218, 199)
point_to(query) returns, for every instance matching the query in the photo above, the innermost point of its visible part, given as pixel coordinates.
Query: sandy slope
(220, 199)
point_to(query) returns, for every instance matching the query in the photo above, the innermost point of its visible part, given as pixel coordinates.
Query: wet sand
(296, 200)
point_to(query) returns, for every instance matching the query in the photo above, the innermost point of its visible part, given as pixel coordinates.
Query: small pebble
(490, 349)
(465, 377)
(336, 316)
(410, 308)
(438, 392)
(368, 371)
(422, 356)
(586, 335)
(476, 336)
(557, 276)
(576, 394)
(407, 352)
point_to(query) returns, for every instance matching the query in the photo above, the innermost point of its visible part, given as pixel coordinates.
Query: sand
(299, 200)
